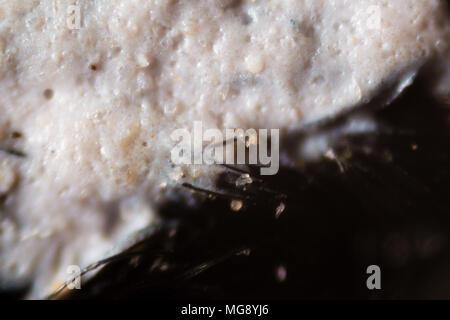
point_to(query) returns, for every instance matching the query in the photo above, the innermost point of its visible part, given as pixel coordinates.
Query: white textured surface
(98, 149)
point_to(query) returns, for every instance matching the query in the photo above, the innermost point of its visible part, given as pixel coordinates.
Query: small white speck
(279, 210)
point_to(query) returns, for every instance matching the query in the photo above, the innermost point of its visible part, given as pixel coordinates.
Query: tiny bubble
(48, 94)
(281, 273)
(236, 205)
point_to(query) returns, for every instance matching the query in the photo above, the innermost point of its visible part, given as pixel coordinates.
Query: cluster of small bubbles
(243, 180)
(244, 252)
(160, 265)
